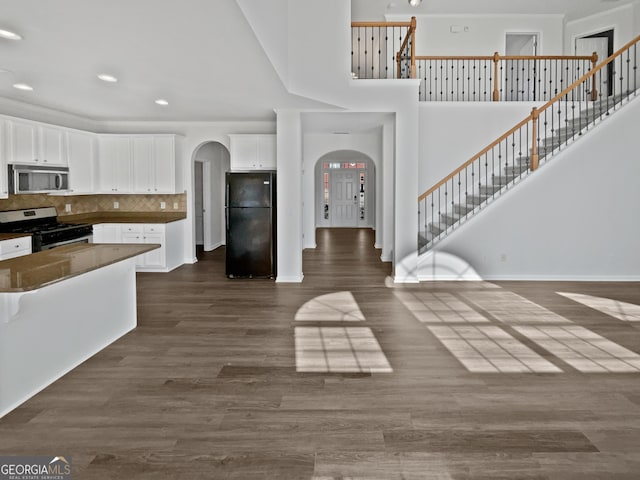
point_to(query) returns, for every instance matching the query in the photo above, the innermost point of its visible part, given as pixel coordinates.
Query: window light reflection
(339, 349)
(511, 308)
(439, 308)
(583, 349)
(489, 349)
(627, 312)
(338, 306)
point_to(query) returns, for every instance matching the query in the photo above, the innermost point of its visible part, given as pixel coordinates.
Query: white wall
(452, 132)
(269, 21)
(484, 35)
(620, 19)
(573, 219)
(289, 202)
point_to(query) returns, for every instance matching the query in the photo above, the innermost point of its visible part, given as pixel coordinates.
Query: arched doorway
(345, 190)
(210, 162)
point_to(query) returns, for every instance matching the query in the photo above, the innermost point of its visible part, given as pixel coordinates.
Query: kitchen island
(58, 308)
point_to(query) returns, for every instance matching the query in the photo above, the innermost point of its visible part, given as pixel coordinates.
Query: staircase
(452, 208)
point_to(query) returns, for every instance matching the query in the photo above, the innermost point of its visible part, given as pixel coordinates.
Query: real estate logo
(35, 468)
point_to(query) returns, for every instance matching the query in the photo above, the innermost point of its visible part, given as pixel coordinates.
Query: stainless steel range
(42, 223)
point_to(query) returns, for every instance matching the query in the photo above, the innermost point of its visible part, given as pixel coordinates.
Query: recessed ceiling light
(9, 35)
(105, 77)
(162, 101)
(415, 3)
(23, 86)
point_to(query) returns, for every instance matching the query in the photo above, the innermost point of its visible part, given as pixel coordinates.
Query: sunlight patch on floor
(438, 308)
(583, 349)
(338, 306)
(489, 349)
(339, 349)
(627, 312)
(511, 308)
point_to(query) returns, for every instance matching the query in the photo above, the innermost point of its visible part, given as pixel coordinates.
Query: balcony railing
(500, 78)
(383, 49)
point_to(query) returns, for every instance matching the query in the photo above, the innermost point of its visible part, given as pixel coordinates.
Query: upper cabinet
(82, 162)
(253, 152)
(4, 190)
(36, 144)
(156, 165)
(114, 164)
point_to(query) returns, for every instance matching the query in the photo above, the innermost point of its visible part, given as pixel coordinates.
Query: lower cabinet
(16, 247)
(168, 236)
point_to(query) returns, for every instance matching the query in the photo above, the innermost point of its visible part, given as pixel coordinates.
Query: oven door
(85, 239)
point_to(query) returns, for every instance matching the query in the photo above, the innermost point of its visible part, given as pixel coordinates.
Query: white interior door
(344, 198)
(520, 75)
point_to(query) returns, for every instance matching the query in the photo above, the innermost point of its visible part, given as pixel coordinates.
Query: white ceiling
(201, 55)
(363, 10)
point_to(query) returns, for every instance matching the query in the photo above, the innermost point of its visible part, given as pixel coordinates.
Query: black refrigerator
(250, 211)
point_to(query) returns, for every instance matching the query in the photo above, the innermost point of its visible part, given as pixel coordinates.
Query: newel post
(534, 139)
(496, 92)
(594, 88)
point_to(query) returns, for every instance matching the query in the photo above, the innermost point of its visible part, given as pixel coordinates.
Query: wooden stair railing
(517, 152)
(373, 42)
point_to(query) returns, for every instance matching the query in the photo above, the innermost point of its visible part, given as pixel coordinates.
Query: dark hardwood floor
(349, 376)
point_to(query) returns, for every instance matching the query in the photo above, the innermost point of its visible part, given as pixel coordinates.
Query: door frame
(609, 34)
(370, 192)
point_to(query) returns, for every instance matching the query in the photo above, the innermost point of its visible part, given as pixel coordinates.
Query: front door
(344, 198)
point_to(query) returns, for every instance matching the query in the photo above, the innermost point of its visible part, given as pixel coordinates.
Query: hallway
(349, 376)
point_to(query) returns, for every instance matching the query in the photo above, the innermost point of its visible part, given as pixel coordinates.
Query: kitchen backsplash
(98, 203)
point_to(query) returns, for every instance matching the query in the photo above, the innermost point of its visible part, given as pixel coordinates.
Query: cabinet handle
(17, 246)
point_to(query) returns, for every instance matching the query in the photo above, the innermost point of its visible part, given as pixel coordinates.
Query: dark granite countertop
(10, 236)
(123, 217)
(30, 272)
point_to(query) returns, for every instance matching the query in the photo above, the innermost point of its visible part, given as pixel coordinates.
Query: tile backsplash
(97, 203)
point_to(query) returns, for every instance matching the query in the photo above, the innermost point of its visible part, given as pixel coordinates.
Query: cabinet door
(23, 139)
(115, 164)
(244, 152)
(267, 152)
(106, 233)
(164, 160)
(154, 258)
(134, 238)
(81, 162)
(143, 165)
(52, 146)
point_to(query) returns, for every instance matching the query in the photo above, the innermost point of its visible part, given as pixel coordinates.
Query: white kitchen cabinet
(82, 162)
(35, 144)
(253, 152)
(4, 186)
(155, 164)
(106, 233)
(169, 236)
(15, 247)
(114, 164)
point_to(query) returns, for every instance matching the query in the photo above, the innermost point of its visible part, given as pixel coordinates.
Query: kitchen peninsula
(58, 308)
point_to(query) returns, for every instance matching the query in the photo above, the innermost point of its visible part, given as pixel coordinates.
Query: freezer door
(249, 242)
(249, 189)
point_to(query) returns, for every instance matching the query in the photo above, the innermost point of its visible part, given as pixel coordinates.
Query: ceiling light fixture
(105, 77)
(23, 86)
(415, 3)
(162, 101)
(9, 35)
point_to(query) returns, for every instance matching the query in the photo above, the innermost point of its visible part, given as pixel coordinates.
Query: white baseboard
(289, 279)
(213, 246)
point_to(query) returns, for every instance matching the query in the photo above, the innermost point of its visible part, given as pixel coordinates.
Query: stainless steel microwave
(37, 179)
